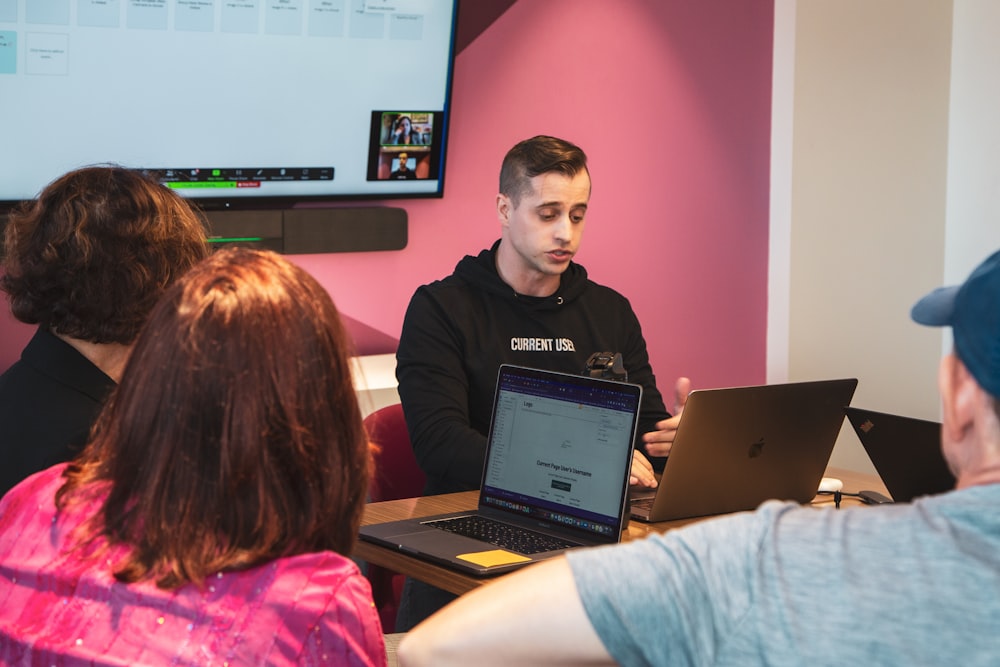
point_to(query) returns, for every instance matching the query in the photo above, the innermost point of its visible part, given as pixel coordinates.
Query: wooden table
(458, 583)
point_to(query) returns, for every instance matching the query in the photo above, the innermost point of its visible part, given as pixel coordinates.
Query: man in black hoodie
(523, 301)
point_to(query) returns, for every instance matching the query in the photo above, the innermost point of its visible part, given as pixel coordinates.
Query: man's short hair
(91, 255)
(538, 155)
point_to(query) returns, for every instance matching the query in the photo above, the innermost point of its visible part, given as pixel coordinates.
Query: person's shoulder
(10, 378)
(34, 494)
(327, 564)
(592, 289)
(576, 282)
(469, 271)
(42, 481)
(320, 600)
(19, 382)
(577, 275)
(973, 504)
(441, 288)
(449, 281)
(440, 300)
(348, 621)
(604, 289)
(53, 361)
(319, 575)
(326, 577)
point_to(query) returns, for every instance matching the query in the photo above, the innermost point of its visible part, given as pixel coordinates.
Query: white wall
(973, 211)
(862, 188)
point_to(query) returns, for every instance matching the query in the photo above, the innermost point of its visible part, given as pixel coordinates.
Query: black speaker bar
(312, 230)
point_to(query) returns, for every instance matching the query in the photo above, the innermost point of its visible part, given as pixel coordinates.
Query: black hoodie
(456, 333)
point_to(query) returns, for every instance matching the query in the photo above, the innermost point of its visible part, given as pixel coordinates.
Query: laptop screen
(560, 448)
(905, 451)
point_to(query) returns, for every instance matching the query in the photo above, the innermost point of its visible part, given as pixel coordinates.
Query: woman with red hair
(211, 515)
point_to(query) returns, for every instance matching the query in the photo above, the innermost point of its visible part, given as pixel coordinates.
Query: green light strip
(203, 184)
(236, 238)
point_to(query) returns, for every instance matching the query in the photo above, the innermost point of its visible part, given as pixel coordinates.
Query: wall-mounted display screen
(233, 103)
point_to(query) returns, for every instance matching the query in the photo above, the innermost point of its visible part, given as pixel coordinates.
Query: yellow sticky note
(494, 557)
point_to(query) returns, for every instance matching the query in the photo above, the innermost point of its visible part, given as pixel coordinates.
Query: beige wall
(864, 174)
(973, 229)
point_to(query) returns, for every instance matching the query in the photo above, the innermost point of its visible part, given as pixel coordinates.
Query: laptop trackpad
(422, 539)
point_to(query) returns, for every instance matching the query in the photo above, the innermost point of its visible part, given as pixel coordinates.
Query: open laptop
(905, 451)
(739, 446)
(557, 467)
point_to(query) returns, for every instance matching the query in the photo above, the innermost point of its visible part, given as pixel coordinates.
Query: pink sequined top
(57, 608)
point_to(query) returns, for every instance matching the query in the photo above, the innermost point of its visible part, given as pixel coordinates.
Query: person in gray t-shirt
(784, 585)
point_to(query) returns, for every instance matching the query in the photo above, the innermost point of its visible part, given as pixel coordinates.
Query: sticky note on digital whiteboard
(493, 558)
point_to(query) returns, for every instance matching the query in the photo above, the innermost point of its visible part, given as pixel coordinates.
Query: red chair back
(396, 476)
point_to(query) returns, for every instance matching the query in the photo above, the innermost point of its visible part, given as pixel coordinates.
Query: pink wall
(671, 101)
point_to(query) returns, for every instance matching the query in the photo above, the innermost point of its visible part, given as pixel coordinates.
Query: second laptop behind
(905, 451)
(739, 446)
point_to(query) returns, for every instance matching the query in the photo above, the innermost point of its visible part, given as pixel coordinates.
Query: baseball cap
(972, 310)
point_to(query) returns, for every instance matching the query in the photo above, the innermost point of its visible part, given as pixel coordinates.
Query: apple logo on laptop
(757, 448)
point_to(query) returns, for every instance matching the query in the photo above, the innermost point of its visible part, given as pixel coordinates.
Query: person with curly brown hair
(85, 261)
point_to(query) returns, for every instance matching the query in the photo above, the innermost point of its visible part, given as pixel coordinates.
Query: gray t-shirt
(914, 584)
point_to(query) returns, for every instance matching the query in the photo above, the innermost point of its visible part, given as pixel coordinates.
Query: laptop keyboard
(643, 503)
(500, 534)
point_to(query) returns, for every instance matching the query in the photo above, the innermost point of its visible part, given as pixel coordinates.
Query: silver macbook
(905, 451)
(737, 447)
(555, 477)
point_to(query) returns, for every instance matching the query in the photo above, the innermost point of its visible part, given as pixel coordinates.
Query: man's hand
(659, 442)
(642, 471)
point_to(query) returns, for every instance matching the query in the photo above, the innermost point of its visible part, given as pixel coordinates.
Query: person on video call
(85, 261)
(901, 584)
(211, 517)
(403, 133)
(403, 171)
(523, 301)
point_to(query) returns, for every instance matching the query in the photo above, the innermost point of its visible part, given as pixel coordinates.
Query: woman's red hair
(234, 437)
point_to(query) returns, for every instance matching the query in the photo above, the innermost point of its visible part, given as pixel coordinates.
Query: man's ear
(960, 395)
(503, 209)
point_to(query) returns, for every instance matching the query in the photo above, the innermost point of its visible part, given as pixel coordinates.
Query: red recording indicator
(248, 184)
